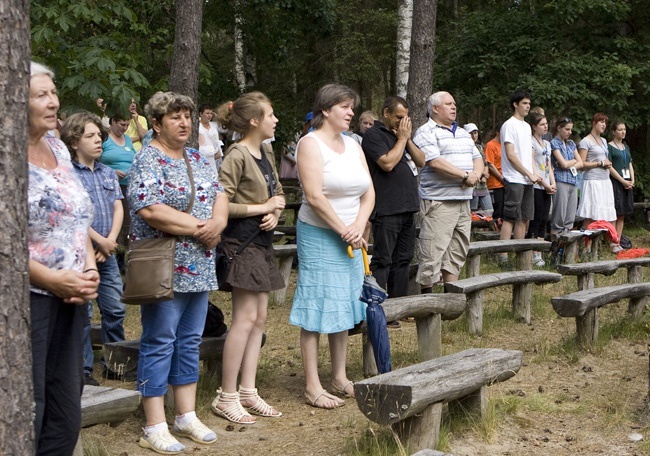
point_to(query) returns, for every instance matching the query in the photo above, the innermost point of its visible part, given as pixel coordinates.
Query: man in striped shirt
(453, 167)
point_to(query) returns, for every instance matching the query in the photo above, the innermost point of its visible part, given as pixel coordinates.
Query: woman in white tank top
(338, 200)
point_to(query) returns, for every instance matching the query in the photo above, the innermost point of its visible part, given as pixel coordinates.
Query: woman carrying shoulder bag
(251, 182)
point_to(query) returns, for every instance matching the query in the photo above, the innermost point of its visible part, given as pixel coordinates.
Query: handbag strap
(191, 175)
(248, 240)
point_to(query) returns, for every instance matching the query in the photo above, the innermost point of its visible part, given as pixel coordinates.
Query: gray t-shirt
(594, 154)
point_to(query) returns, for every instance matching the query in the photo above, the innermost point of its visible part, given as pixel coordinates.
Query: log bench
(583, 306)
(585, 271)
(571, 241)
(523, 248)
(521, 282)
(428, 310)
(100, 404)
(123, 356)
(410, 399)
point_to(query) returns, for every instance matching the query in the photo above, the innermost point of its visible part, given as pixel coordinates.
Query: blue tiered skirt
(329, 282)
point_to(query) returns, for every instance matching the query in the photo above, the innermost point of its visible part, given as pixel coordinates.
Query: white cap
(470, 127)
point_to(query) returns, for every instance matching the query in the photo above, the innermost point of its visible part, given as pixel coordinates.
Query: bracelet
(91, 269)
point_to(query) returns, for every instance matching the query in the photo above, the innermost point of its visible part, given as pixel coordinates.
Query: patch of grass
(94, 447)
(375, 442)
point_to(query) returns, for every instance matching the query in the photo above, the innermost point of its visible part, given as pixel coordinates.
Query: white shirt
(519, 134)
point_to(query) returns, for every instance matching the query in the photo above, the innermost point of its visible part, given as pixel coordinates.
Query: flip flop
(312, 401)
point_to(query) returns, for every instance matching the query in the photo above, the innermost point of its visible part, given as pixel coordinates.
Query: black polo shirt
(396, 192)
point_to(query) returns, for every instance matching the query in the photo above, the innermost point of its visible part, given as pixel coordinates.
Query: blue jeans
(393, 250)
(169, 346)
(111, 308)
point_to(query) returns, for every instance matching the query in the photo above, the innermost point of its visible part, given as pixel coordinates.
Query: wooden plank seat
(486, 235)
(123, 356)
(585, 271)
(100, 404)
(521, 282)
(428, 310)
(583, 306)
(572, 240)
(523, 248)
(410, 399)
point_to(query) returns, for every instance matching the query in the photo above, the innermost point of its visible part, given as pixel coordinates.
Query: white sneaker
(539, 263)
(617, 248)
(196, 431)
(161, 442)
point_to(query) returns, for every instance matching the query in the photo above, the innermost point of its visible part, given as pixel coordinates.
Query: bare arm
(564, 164)
(169, 220)
(516, 163)
(416, 154)
(495, 172)
(389, 160)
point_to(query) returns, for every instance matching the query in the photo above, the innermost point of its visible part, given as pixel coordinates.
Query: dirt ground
(562, 402)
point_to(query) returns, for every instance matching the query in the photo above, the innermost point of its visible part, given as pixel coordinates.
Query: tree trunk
(16, 390)
(184, 77)
(240, 71)
(404, 23)
(423, 42)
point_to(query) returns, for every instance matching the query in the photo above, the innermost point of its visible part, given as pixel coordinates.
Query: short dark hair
(517, 96)
(203, 107)
(535, 118)
(392, 103)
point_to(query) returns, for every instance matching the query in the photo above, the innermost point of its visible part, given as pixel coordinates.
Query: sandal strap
(261, 407)
(233, 408)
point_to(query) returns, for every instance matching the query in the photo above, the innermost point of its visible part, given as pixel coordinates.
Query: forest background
(576, 57)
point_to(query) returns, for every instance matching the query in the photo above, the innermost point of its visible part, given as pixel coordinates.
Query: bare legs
(620, 222)
(184, 401)
(243, 343)
(515, 229)
(309, 342)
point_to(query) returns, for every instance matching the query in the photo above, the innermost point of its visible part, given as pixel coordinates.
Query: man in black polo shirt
(393, 160)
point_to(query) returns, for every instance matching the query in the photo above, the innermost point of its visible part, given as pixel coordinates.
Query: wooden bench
(100, 404)
(583, 306)
(428, 310)
(571, 241)
(585, 271)
(123, 356)
(486, 235)
(521, 281)
(523, 248)
(431, 453)
(410, 399)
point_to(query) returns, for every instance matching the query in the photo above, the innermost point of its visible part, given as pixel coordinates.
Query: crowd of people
(129, 175)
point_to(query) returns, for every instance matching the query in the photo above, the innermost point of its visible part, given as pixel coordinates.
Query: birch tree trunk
(16, 387)
(240, 69)
(423, 41)
(184, 77)
(404, 26)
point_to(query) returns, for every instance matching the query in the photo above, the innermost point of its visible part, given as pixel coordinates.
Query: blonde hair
(237, 115)
(162, 103)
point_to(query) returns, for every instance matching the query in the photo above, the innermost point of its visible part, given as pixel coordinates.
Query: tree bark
(16, 389)
(184, 77)
(240, 71)
(404, 26)
(423, 42)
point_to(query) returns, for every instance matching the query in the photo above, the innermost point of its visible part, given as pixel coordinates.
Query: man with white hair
(453, 167)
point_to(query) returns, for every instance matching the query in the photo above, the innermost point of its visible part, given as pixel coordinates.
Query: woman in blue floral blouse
(159, 192)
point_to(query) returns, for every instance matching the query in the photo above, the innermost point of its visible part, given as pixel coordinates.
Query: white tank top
(345, 180)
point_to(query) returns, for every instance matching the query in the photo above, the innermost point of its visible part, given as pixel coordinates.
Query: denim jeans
(57, 331)
(111, 308)
(393, 249)
(169, 346)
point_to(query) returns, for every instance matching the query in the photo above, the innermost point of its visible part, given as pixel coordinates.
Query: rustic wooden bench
(123, 356)
(431, 453)
(521, 281)
(100, 404)
(585, 271)
(428, 310)
(486, 235)
(583, 306)
(410, 399)
(523, 248)
(571, 241)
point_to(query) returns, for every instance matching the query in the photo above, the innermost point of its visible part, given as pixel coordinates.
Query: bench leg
(475, 313)
(79, 447)
(474, 266)
(637, 306)
(284, 265)
(369, 365)
(521, 297)
(587, 328)
(570, 252)
(586, 281)
(421, 431)
(429, 331)
(525, 260)
(635, 274)
(474, 404)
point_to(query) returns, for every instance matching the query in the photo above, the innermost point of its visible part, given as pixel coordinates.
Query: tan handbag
(149, 274)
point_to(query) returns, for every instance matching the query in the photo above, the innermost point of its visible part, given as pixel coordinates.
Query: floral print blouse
(155, 178)
(60, 213)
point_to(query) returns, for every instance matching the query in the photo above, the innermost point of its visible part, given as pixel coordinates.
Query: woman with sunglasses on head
(597, 195)
(565, 162)
(622, 176)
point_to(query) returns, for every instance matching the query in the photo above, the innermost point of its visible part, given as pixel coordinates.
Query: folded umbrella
(373, 295)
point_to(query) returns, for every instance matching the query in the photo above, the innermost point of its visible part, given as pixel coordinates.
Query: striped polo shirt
(452, 144)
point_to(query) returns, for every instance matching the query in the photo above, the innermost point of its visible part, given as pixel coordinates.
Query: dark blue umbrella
(373, 295)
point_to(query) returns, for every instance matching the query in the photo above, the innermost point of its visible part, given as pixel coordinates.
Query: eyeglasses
(566, 120)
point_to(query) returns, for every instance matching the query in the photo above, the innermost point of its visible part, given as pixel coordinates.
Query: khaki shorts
(444, 239)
